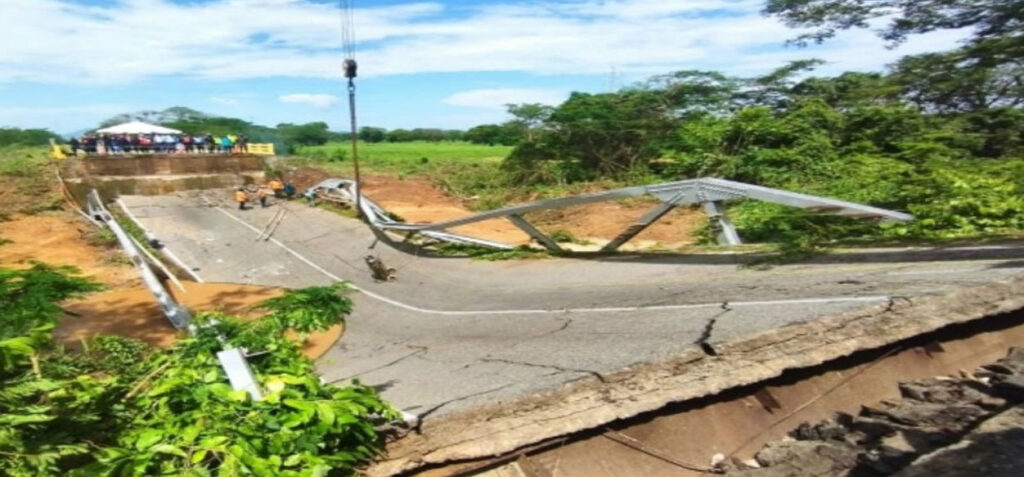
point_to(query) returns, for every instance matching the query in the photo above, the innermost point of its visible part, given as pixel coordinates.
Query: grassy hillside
(27, 182)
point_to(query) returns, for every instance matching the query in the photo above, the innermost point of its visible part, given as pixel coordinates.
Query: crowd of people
(107, 144)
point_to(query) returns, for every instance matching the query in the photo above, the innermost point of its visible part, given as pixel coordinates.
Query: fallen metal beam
(711, 194)
(532, 231)
(640, 225)
(725, 231)
(175, 313)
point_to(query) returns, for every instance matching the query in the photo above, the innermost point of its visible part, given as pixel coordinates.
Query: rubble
(962, 426)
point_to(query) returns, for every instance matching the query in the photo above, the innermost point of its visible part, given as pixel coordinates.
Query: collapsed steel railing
(232, 360)
(711, 194)
(177, 314)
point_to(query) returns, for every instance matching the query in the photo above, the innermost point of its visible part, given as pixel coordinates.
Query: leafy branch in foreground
(309, 309)
(121, 408)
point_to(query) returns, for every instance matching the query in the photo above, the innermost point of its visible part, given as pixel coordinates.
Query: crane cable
(348, 43)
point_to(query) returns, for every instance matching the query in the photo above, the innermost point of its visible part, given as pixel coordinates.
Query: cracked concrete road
(451, 334)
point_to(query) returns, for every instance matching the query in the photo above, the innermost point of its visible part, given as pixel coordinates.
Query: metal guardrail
(177, 314)
(232, 360)
(711, 194)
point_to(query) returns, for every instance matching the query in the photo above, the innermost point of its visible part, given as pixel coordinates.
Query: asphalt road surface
(452, 333)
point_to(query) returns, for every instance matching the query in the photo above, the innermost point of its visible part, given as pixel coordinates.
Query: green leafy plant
(309, 309)
(122, 408)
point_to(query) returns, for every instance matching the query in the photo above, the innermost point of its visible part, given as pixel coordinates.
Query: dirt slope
(126, 308)
(417, 200)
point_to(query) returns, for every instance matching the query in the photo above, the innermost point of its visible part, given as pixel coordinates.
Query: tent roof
(138, 127)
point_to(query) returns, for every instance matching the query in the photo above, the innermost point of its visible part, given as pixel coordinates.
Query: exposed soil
(417, 200)
(127, 308)
(59, 238)
(132, 312)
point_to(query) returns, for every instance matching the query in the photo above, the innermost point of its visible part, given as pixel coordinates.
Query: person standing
(210, 145)
(73, 144)
(241, 197)
(276, 186)
(262, 194)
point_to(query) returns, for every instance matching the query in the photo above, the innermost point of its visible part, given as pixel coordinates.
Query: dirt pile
(955, 426)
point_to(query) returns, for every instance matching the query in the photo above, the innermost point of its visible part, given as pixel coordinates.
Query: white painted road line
(962, 270)
(396, 303)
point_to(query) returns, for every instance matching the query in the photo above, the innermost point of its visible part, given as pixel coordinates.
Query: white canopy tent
(137, 127)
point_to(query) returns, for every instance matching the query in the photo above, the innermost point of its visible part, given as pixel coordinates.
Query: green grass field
(467, 171)
(406, 157)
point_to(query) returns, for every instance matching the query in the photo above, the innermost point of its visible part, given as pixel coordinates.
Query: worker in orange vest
(276, 186)
(241, 197)
(262, 193)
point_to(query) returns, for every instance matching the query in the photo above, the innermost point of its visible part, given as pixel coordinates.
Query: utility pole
(350, 73)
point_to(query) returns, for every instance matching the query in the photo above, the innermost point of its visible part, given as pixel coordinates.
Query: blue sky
(68, 64)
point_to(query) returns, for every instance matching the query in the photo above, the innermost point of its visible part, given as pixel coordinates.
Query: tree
(309, 134)
(26, 137)
(528, 118)
(983, 75)
(694, 92)
(493, 134)
(372, 134)
(607, 134)
(988, 18)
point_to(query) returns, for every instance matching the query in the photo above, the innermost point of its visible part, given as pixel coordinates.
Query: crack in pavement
(419, 350)
(421, 417)
(709, 328)
(593, 373)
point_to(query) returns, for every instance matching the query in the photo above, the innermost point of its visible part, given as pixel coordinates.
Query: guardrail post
(725, 231)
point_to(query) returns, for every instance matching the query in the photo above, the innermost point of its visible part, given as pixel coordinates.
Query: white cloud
(232, 39)
(498, 98)
(318, 101)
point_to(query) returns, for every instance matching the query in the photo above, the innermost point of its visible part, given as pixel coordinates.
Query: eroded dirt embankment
(126, 307)
(417, 200)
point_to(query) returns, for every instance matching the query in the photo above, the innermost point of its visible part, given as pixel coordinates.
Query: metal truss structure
(711, 194)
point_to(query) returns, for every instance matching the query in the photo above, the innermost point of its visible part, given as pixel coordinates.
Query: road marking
(962, 270)
(396, 303)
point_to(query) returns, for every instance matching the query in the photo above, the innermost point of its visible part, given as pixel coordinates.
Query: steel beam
(710, 193)
(175, 313)
(725, 231)
(649, 218)
(532, 231)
